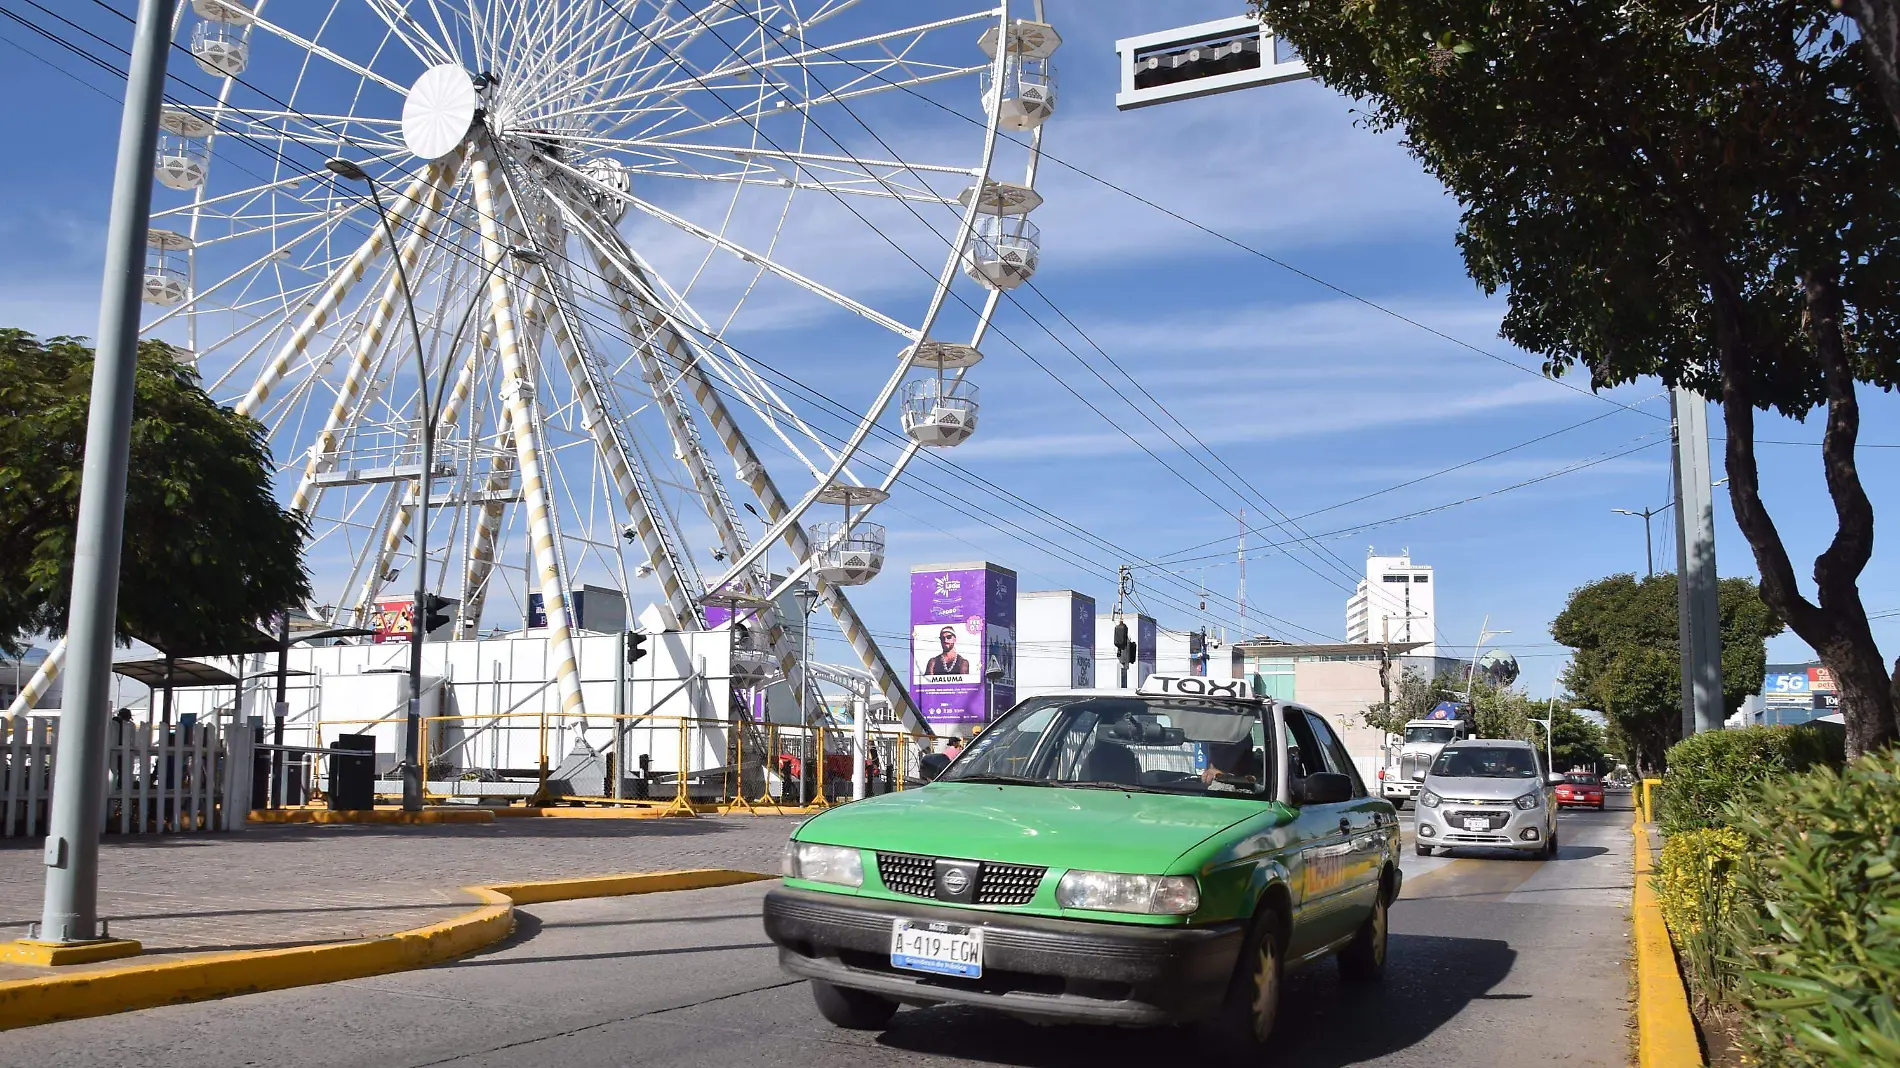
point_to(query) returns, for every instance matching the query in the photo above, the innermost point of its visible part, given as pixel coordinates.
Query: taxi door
(1325, 909)
(1370, 823)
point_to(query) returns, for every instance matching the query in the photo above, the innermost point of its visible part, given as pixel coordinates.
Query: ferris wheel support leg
(666, 568)
(387, 305)
(762, 486)
(517, 393)
(398, 527)
(658, 347)
(35, 689)
(334, 293)
(481, 555)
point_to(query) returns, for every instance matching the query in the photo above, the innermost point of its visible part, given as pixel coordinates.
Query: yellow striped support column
(341, 282)
(384, 312)
(518, 395)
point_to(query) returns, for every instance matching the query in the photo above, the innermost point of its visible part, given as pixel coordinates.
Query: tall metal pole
(71, 909)
(1697, 609)
(282, 710)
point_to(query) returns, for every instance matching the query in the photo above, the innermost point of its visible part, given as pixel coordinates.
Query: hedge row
(1782, 891)
(1708, 770)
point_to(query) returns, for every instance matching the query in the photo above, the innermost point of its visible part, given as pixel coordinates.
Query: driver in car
(1232, 765)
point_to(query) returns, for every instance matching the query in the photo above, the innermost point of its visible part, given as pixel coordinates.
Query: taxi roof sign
(1195, 686)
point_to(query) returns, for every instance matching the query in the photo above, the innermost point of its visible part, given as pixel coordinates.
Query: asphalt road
(1493, 961)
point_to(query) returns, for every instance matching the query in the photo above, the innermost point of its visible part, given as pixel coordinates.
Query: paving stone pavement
(272, 886)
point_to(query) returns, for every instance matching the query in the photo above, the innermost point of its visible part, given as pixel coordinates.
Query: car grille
(996, 884)
(1493, 820)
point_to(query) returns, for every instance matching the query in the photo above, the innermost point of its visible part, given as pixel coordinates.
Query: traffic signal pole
(70, 912)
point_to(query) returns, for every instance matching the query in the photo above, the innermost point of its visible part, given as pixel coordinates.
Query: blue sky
(1314, 397)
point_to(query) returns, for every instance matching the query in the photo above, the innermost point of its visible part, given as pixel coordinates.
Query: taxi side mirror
(931, 765)
(1322, 788)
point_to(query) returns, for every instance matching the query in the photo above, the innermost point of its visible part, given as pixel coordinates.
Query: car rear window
(1581, 780)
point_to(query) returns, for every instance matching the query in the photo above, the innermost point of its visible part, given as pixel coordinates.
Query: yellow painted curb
(40, 954)
(377, 815)
(1665, 1032)
(98, 992)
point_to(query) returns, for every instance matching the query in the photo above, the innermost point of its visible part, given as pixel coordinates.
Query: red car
(1580, 791)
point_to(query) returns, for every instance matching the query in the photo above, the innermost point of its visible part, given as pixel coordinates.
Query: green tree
(1625, 660)
(1413, 695)
(1880, 32)
(208, 551)
(1575, 741)
(1702, 192)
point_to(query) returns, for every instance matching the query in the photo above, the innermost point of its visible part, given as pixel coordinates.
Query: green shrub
(1708, 770)
(1695, 888)
(1823, 981)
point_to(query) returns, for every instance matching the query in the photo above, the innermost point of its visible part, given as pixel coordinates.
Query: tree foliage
(1702, 192)
(1624, 641)
(208, 552)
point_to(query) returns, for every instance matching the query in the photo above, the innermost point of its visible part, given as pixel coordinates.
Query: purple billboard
(1145, 635)
(963, 642)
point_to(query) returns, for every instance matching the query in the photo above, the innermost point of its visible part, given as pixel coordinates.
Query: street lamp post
(412, 772)
(1550, 755)
(1649, 551)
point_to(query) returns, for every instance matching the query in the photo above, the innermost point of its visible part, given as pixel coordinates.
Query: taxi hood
(1057, 827)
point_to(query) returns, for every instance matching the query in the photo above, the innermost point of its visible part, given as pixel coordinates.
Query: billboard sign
(1146, 633)
(395, 619)
(1787, 688)
(963, 642)
(1082, 643)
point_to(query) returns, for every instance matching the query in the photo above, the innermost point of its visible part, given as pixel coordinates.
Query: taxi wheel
(852, 1009)
(1252, 1008)
(1550, 848)
(1363, 959)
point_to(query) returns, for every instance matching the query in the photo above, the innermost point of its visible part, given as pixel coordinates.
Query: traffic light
(636, 645)
(434, 612)
(1124, 649)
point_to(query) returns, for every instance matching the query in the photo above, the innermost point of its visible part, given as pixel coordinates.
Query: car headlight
(1531, 800)
(824, 864)
(1429, 799)
(1103, 891)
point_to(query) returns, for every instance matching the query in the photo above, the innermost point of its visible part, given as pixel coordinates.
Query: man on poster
(949, 661)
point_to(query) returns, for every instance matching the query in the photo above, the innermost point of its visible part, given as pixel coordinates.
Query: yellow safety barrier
(811, 766)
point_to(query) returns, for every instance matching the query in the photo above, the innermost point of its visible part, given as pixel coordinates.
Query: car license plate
(1477, 824)
(939, 948)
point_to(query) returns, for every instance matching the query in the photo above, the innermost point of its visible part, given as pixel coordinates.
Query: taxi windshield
(1144, 744)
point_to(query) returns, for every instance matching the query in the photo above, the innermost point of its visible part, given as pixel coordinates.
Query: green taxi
(1145, 857)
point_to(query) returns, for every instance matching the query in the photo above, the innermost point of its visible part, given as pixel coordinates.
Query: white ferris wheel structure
(597, 212)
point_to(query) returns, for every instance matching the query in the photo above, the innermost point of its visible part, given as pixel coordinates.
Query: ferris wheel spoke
(404, 27)
(323, 52)
(750, 256)
(427, 188)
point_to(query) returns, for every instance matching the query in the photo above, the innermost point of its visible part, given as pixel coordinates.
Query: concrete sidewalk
(270, 886)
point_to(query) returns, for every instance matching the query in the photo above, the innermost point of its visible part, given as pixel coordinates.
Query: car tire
(1421, 849)
(1245, 1023)
(852, 1009)
(1550, 847)
(1363, 959)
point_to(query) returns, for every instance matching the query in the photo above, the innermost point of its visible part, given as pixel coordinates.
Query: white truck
(1407, 758)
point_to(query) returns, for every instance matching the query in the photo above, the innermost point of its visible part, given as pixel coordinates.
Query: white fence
(158, 780)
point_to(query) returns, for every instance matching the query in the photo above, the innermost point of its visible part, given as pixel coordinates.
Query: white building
(1393, 603)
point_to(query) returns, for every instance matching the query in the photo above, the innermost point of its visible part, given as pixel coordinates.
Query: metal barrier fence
(672, 763)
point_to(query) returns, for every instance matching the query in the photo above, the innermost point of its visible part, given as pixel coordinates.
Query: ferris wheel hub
(440, 109)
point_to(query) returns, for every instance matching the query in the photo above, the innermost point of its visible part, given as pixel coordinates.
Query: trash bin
(353, 778)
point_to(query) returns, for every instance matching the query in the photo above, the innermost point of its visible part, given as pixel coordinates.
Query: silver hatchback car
(1488, 793)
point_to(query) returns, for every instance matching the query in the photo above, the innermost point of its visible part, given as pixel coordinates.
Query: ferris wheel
(585, 238)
